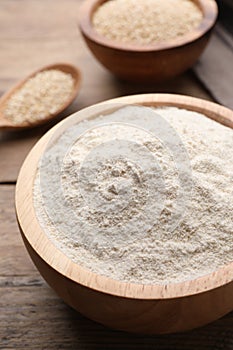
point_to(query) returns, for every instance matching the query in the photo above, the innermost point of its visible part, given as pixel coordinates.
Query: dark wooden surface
(34, 33)
(217, 61)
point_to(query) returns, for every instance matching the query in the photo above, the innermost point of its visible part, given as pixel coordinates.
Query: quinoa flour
(119, 206)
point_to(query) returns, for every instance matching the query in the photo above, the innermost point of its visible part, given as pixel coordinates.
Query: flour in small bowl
(140, 195)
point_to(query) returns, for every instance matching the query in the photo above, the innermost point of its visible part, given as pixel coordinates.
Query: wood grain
(14, 260)
(217, 62)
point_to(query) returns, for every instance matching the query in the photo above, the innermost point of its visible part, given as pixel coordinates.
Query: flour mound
(108, 195)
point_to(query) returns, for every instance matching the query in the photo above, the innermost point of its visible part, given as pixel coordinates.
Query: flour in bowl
(140, 195)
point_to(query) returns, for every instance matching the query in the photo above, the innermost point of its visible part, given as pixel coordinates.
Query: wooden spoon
(6, 124)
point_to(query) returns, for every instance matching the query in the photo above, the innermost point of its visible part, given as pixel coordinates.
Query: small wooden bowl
(150, 63)
(125, 306)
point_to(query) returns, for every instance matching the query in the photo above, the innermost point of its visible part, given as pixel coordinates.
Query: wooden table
(34, 33)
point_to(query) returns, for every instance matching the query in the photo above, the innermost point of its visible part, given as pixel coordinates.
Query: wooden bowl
(150, 63)
(124, 306)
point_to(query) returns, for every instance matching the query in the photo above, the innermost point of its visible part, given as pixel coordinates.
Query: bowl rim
(41, 244)
(210, 13)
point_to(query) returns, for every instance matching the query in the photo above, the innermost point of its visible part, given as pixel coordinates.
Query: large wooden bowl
(125, 306)
(150, 63)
